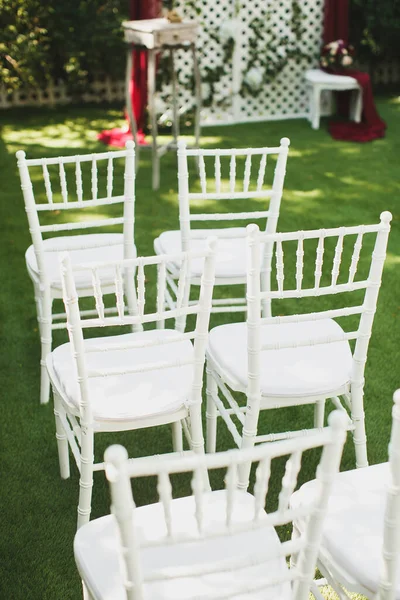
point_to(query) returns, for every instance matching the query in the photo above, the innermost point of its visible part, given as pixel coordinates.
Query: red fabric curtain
(141, 9)
(138, 9)
(336, 21)
(336, 27)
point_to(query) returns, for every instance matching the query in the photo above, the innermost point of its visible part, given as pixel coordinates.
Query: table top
(156, 33)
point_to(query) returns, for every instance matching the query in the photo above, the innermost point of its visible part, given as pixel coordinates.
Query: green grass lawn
(328, 184)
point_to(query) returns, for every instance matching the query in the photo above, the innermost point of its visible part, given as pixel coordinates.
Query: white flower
(205, 90)
(228, 30)
(159, 104)
(346, 61)
(254, 78)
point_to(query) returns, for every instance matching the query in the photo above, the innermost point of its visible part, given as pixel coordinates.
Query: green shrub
(74, 41)
(375, 29)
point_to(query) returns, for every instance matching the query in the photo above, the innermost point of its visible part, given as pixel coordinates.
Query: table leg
(128, 102)
(197, 87)
(151, 82)
(175, 112)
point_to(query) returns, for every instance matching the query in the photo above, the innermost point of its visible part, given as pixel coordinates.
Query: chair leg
(316, 107)
(45, 339)
(319, 413)
(62, 441)
(86, 594)
(358, 419)
(357, 106)
(86, 478)
(211, 413)
(177, 441)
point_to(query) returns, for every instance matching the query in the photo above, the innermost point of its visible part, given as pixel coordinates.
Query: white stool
(317, 81)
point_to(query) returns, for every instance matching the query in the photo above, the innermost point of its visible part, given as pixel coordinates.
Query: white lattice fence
(56, 93)
(285, 95)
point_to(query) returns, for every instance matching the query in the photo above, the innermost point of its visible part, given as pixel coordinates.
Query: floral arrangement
(337, 55)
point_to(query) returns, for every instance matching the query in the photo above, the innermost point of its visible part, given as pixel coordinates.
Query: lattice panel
(285, 96)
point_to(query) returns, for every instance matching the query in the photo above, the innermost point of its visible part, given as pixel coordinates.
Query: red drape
(336, 26)
(138, 9)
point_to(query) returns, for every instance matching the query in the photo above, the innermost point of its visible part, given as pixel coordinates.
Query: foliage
(375, 29)
(74, 41)
(269, 51)
(24, 46)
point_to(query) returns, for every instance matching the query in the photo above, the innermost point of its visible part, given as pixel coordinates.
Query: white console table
(154, 36)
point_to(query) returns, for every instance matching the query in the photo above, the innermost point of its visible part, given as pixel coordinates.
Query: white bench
(317, 81)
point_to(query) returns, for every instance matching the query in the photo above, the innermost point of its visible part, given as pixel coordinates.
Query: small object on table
(156, 35)
(318, 80)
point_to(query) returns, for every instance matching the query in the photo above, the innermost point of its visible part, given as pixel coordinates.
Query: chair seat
(90, 252)
(353, 528)
(231, 252)
(288, 372)
(317, 76)
(97, 552)
(133, 395)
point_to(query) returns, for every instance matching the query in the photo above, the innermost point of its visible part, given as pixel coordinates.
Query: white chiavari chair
(360, 547)
(239, 177)
(215, 545)
(54, 190)
(304, 358)
(132, 380)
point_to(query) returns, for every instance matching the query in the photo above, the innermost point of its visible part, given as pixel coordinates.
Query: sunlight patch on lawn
(392, 259)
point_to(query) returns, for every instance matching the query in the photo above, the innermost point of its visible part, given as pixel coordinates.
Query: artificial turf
(328, 183)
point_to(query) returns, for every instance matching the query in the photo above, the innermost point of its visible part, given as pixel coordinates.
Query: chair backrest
(389, 574)
(232, 520)
(298, 284)
(216, 166)
(124, 273)
(63, 181)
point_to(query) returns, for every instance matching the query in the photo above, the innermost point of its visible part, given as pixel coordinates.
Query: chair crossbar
(81, 225)
(228, 233)
(84, 246)
(83, 313)
(38, 162)
(318, 233)
(237, 410)
(228, 309)
(226, 415)
(233, 564)
(233, 301)
(232, 151)
(143, 261)
(156, 366)
(315, 316)
(77, 204)
(71, 436)
(286, 435)
(230, 195)
(142, 467)
(322, 291)
(186, 431)
(137, 319)
(260, 214)
(342, 337)
(161, 341)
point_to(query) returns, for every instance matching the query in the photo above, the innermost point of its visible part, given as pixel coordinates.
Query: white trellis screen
(282, 98)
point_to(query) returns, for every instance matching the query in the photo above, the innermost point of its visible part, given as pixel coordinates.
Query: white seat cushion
(90, 253)
(288, 372)
(231, 252)
(353, 528)
(133, 395)
(98, 556)
(323, 78)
